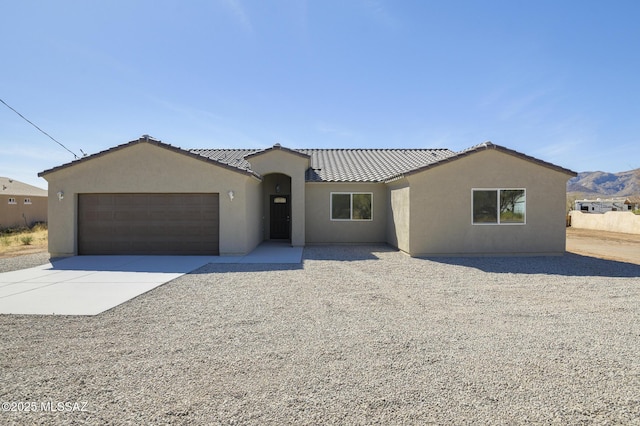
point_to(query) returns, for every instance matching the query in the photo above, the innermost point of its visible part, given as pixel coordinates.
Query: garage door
(148, 224)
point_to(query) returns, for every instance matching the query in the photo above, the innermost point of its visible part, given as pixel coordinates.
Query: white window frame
(27, 200)
(351, 219)
(12, 200)
(498, 207)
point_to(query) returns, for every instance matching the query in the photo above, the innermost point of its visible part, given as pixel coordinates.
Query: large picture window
(351, 206)
(498, 206)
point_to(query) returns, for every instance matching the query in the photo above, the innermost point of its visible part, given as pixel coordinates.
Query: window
(351, 206)
(12, 201)
(27, 200)
(498, 206)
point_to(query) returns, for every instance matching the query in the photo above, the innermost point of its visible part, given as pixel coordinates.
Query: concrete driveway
(89, 285)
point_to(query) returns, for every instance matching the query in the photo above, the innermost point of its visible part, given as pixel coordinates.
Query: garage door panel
(148, 224)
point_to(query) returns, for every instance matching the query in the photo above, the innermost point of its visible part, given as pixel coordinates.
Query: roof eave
(277, 147)
(489, 145)
(160, 144)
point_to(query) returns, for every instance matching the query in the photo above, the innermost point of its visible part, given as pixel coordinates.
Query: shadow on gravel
(346, 252)
(570, 265)
(223, 268)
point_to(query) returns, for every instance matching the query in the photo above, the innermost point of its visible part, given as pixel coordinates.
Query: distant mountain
(606, 184)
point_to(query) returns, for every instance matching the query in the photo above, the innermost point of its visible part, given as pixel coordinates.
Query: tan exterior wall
(441, 203)
(147, 168)
(398, 218)
(294, 166)
(253, 216)
(625, 222)
(21, 214)
(321, 229)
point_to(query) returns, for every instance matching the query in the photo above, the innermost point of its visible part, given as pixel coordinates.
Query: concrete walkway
(89, 285)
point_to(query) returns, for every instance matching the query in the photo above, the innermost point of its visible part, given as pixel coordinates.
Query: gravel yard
(355, 335)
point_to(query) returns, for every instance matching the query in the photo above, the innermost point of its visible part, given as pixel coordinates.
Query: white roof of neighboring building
(10, 186)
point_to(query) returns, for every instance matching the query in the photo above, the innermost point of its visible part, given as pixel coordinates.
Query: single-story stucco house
(149, 197)
(21, 204)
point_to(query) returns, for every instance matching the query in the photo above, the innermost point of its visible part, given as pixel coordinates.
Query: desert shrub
(11, 231)
(40, 226)
(5, 240)
(26, 240)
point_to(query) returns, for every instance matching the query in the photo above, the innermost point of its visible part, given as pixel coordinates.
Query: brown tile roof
(10, 186)
(633, 199)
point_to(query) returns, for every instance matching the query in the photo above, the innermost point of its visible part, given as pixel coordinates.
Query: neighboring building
(21, 204)
(605, 205)
(150, 197)
(633, 203)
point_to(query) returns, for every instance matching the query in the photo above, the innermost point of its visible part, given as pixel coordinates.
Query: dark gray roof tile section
(147, 139)
(332, 165)
(343, 165)
(367, 165)
(231, 157)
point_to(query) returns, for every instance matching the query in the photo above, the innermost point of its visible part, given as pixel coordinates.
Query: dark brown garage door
(148, 224)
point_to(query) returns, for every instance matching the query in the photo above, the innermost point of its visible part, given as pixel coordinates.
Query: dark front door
(280, 217)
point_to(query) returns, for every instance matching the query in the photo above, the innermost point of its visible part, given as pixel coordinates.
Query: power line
(29, 121)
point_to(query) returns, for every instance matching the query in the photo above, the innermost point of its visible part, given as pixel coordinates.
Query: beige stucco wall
(253, 215)
(292, 165)
(148, 168)
(21, 214)
(625, 222)
(398, 218)
(320, 227)
(441, 201)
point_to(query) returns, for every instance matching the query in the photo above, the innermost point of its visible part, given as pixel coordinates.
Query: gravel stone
(16, 263)
(354, 335)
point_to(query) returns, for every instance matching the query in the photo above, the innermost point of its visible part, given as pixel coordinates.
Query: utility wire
(29, 121)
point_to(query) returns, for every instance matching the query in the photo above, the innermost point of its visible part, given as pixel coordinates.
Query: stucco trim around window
(498, 206)
(12, 200)
(351, 206)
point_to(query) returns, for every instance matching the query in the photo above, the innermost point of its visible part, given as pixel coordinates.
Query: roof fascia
(160, 144)
(483, 147)
(277, 147)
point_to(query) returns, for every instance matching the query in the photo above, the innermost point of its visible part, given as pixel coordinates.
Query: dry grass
(23, 241)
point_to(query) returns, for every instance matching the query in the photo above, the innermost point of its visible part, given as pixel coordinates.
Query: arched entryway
(277, 207)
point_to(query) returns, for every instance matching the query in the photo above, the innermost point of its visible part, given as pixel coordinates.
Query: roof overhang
(148, 140)
(484, 147)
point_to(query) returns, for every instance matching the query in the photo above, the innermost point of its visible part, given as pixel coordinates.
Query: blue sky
(558, 80)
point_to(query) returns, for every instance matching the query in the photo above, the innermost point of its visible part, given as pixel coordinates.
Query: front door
(280, 217)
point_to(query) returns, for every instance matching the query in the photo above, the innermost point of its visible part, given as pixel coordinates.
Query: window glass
(362, 206)
(499, 206)
(341, 206)
(351, 206)
(512, 206)
(485, 205)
